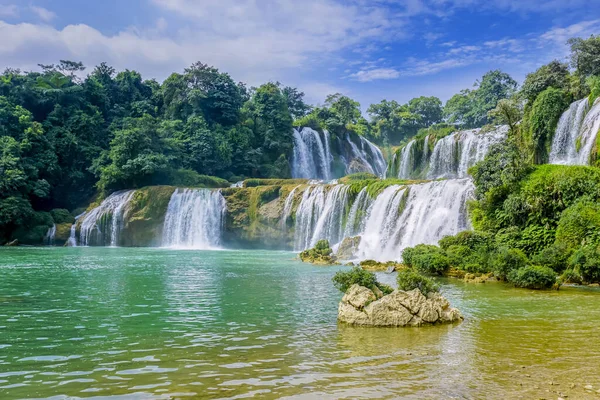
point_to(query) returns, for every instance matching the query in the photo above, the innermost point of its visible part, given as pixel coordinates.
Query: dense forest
(65, 138)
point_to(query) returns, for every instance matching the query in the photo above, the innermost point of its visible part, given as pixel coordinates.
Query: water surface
(153, 323)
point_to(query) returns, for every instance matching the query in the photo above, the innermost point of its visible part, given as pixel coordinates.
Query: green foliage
(579, 224)
(62, 216)
(505, 261)
(586, 262)
(426, 259)
(359, 176)
(343, 280)
(470, 108)
(190, 178)
(555, 257)
(533, 277)
(269, 182)
(320, 254)
(554, 74)
(593, 82)
(409, 279)
(585, 56)
(545, 113)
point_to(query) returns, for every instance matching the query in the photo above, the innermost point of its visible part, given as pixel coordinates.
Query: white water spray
(102, 225)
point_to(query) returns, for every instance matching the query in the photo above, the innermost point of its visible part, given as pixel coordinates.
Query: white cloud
(368, 75)
(43, 13)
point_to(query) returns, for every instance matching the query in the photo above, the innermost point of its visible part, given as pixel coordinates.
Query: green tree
(429, 109)
(554, 74)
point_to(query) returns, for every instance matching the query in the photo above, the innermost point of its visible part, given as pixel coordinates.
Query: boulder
(348, 248)
(360, 306)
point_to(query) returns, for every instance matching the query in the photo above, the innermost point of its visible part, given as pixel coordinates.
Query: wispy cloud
(374, 74)
(43, 13)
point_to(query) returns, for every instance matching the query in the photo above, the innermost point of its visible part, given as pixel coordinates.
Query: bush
(62, 216)
(555, 257)
(586, 262)
(571, 276)
(320, 254)
(409, 279)
(470, 239)
(427, 259)
(579, 224)
(533, 277)
(504, 261)
(343, 280)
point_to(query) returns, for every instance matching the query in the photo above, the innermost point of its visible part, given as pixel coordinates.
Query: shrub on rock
(427, 259)
(409, 279)
(320, 254)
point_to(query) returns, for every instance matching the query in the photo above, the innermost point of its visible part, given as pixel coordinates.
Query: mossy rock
(145, 216)
(321, 254)
(372, 265)
(63, 232)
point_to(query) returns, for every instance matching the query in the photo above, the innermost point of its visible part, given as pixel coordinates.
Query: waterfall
(320, 215)
(312, 155)
(372, 159)
(425, 149)
(287, 207)
(194, 219)
(103, 224)
(72, 241)
(50, 235)
(564, 148)
(429, 212)
(589, 131)
(406, 161)
(355, 223)
(453, 155)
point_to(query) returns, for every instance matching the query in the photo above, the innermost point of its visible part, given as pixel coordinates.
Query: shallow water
(156, 323)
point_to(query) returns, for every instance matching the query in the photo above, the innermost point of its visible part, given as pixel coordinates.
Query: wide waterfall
(314, 156)
(102, 225)
(399, 217)
(194, 219)
(453, 155)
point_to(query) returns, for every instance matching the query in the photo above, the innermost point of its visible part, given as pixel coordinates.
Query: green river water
(154, 323)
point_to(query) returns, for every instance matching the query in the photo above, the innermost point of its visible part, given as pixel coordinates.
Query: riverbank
(115, 321)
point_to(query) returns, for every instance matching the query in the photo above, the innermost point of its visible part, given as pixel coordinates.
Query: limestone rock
(348, 248)
(360, 306)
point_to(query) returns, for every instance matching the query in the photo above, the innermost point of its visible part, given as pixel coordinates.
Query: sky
(367, 49)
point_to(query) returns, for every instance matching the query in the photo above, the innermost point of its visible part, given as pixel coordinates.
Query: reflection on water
(155, 323)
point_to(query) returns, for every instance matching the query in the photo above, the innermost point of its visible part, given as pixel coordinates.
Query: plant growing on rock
(320, 254)
(409, 279)
(343, 280)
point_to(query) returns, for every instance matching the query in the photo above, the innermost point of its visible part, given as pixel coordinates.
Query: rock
(359, 296)
(360, 306)
(348, 248)
(378, 293)
(588, 387)
(13, 243)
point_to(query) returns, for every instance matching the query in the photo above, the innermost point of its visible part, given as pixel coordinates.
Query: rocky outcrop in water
(360, 306)
(348, 248)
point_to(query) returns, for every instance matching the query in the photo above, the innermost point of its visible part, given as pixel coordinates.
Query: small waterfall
(72, 241)
(102, 225)
(312, 155)
(355, 223)
(589, 131)
(426, 149)
(453, 155)
(406, 161)
(287, 207)
(564, 148)
(320, 215)
(194, 219)
(369, 155)
(50, 235)
(430, 211)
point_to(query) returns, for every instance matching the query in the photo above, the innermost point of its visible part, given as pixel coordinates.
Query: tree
(429, 109)
(344, 109)
(459, 109)
(585, 56)
(555, 74)
(295, 102)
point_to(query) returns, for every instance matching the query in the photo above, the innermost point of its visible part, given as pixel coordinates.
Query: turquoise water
(154, 323)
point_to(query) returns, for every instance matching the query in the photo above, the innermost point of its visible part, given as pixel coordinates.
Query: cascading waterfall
(320, 215)
(50, 235)
(287, 206)
(72, 241)
(430, 211)
(102, 225)
(406, 161)
(589, 131)
(312, 155)
(194, 219)
(372, 159)
(453, 155)
(399, 217)
(564, 145)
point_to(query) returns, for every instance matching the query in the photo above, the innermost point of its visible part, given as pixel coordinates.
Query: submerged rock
(360, 306)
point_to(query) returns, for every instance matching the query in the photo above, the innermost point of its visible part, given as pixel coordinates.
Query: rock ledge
(360, 306)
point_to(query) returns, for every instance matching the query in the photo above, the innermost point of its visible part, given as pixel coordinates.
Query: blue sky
(367, 49)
